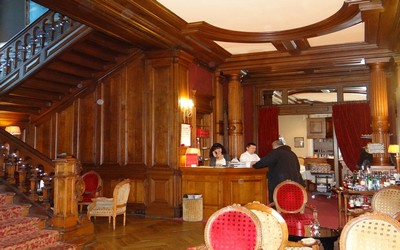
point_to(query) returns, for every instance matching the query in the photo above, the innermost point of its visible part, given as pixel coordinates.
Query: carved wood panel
(87, 127)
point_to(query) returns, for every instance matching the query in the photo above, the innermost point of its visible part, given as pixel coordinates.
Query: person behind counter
(249, 157)
(283, 164)
(365, 159)
(218, 155)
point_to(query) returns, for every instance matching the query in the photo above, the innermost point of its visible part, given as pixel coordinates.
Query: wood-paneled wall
(127, 127)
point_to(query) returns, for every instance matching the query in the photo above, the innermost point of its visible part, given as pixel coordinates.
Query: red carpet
(327, 210)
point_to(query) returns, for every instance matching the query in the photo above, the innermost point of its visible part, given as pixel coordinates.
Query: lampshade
(193, 151)
(14, 130)
(393, 149)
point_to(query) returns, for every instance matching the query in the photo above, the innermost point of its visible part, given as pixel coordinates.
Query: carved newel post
(65, 202)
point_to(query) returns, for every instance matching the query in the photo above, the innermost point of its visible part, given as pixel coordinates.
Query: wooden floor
(147, 233)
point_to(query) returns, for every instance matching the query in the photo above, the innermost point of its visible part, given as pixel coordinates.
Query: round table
(327, 236)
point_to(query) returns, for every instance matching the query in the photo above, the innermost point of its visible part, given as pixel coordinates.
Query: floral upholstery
(111, 207)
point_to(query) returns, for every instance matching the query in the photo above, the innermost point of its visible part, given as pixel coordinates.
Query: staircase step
(21, 224)
(61, 246)
(30, 240)
(6, 198)
(11, 211)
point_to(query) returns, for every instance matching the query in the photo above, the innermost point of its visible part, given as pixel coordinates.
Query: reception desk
(221, 187)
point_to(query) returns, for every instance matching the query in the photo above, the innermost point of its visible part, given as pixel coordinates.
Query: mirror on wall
(315, 95)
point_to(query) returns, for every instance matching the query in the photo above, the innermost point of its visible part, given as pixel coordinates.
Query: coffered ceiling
(265, 16)
(301, 45)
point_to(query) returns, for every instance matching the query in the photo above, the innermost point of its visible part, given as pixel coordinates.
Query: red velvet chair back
(290, 197)
(233, 227)
(93, 186)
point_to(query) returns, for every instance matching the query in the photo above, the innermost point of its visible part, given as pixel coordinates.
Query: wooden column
(235, 114)
(219, 109)
(379, 110)
(65, 202)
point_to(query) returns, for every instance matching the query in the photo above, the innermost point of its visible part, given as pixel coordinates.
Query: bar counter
(221, 187)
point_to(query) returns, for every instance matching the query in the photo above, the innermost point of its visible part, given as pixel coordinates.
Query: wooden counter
(221, 187)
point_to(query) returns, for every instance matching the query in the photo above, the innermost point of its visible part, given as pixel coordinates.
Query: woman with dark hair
(218, 155)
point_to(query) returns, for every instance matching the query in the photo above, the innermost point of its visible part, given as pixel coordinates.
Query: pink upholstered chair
(233, 227)
(290, 200)
(93, 188)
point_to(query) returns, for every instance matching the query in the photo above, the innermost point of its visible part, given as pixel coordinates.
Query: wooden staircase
(50, 63)
(59, 215)
(20, 231)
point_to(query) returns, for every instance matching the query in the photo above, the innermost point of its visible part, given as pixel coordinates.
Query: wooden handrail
(25, 167)
(37, 158)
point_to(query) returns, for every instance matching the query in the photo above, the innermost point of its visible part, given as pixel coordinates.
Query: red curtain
(268, 130)
(350, 122)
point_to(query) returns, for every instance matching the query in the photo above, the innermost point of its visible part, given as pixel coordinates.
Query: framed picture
(299, 142)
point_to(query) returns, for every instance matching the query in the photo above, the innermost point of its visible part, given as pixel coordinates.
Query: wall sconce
(186, 107)
(14, 130)
(394, 149)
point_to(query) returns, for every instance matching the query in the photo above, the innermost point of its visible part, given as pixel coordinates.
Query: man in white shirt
(249, 157)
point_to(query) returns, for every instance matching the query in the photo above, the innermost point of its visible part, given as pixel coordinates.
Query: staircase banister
(24, 149)
(32, 40)
(32, 26)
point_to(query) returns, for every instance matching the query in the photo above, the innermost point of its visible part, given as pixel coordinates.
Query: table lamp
(394, 149)
(192, 157)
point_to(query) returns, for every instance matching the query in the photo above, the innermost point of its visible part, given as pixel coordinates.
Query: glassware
(316, 224)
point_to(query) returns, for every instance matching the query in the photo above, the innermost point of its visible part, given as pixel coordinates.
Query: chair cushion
(296, 222)
(105, 211)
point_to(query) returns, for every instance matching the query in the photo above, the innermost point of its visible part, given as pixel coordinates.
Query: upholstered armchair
(387, 201)
(274, 229)
(290, 199)
(111, 207)
(254, 226)
(371, 231)
(93, 188)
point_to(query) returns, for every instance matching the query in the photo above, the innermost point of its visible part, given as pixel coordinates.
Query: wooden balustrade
(26, 168)
(30, 41)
